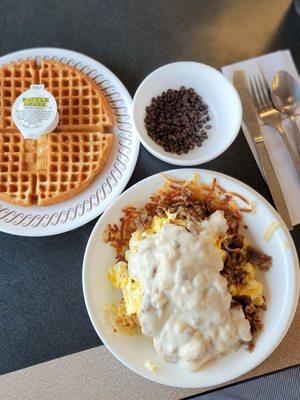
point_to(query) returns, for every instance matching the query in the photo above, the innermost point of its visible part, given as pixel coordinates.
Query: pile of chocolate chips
(177, 120)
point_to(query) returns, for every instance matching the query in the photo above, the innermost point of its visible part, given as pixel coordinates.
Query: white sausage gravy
(186, 304)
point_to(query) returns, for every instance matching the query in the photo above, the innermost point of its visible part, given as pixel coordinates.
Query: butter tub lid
(35, 112)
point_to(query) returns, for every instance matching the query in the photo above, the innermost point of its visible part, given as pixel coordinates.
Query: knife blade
(251, 122)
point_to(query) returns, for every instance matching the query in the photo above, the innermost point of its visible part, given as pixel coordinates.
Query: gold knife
(250, 120)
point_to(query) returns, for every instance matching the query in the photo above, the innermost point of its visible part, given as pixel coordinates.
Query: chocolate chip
(176, 120)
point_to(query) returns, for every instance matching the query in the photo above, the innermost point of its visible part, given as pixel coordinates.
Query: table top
(42, 311)
(96, 374)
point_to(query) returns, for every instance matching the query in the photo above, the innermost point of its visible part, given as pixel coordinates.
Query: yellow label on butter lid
(35, 101)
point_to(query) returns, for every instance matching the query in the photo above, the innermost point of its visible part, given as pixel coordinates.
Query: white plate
(77, 211)
(281, 287)
(218, 93)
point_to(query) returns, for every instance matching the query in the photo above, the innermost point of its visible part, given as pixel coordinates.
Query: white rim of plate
(82, 208)
(289, 317)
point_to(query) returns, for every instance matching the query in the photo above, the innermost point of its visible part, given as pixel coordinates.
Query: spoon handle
(296, 131)
(294, 156)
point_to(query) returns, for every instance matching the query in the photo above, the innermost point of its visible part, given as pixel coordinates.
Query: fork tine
(259, 94)
(265, 92)
(254, 96)
(266, 86)
(260, 98)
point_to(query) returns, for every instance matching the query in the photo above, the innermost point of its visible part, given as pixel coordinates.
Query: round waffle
(61, 164)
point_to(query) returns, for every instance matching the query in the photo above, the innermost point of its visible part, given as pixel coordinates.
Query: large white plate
(109, 183)
(281, 287)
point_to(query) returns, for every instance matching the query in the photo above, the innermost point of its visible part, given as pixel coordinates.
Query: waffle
(57, 166)
(67, 162)
(17, 160)
(80, 103)
(15, 78)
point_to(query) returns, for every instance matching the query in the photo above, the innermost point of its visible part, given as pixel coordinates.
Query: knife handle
(273, 183)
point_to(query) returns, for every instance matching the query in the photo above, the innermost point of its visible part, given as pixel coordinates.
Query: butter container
(35, 112)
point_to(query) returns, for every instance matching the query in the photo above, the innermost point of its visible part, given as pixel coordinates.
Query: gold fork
(260, 93)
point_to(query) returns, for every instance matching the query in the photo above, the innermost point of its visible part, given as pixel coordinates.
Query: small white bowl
(217, 92)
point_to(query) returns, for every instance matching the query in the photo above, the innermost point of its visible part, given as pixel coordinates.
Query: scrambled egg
(151, 366)
(251, 286)
(158, 222)
(133, 290)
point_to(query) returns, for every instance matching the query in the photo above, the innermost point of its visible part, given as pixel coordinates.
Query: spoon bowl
(285, 92)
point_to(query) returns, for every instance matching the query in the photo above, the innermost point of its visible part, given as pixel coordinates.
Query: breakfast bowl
(280, 288)
(218, 94)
